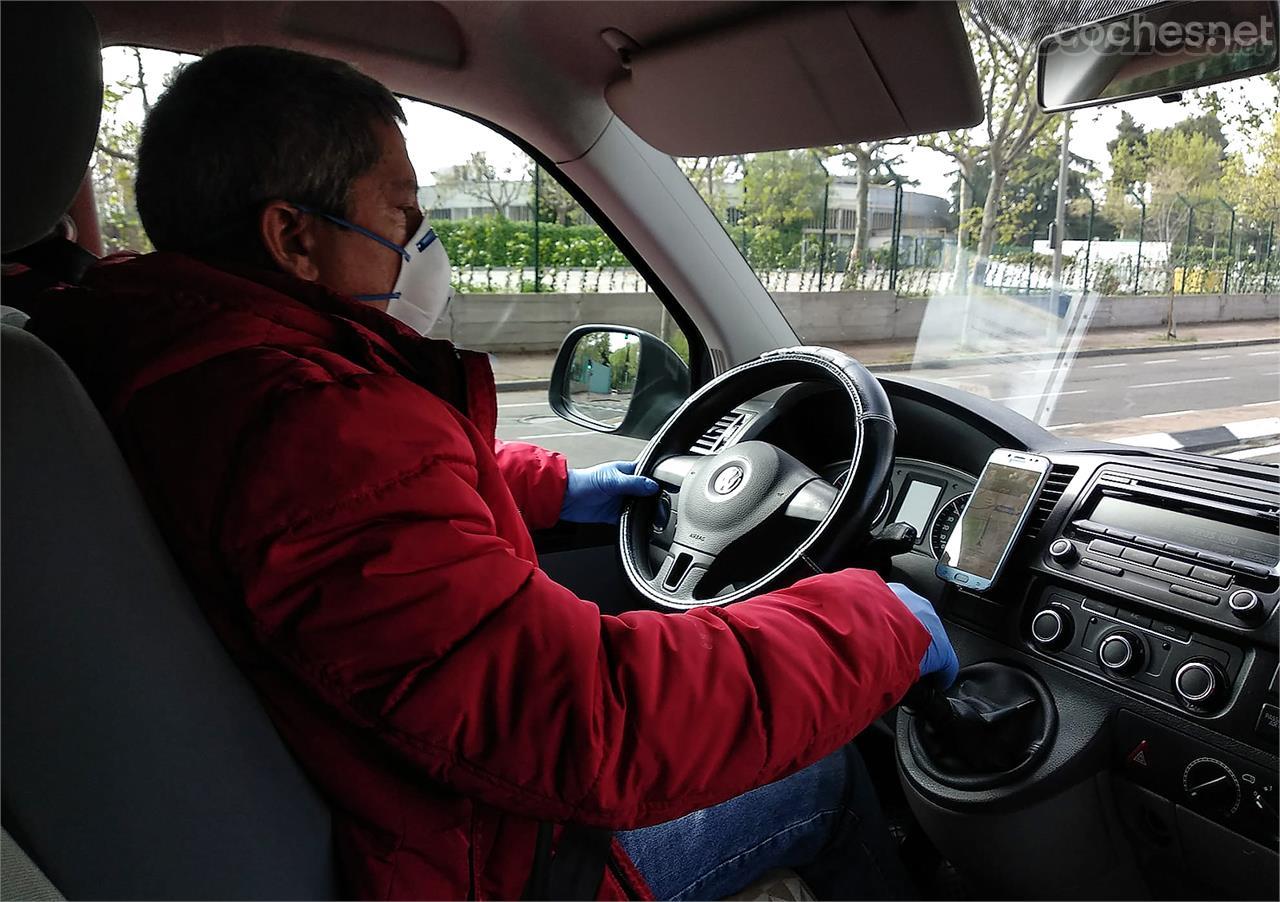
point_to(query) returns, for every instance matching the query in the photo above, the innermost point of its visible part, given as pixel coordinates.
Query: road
(1125, 394)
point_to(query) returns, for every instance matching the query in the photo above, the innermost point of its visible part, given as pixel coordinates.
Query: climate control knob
(1211, 786)
(1051, 628)
(1200, 683)
(1063, 552)
(1121, 653)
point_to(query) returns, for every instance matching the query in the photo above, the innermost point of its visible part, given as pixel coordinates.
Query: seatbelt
(20, 878)
(576, 867)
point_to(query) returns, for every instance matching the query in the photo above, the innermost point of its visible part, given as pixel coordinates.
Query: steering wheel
(709, 502)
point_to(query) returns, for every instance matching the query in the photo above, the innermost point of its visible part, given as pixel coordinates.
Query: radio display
(1182, 528)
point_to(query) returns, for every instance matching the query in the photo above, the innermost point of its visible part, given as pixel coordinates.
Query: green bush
(491, 242)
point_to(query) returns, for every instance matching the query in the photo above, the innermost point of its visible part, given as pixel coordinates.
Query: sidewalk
(531, 371)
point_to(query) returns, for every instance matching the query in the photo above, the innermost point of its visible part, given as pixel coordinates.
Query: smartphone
(992, 520)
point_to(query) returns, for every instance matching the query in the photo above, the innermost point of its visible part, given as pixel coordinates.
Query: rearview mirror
(1161, 49)
(617, 380)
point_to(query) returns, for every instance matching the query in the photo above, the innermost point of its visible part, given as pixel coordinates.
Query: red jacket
(331, 484)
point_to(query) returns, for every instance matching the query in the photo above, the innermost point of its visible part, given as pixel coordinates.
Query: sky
(438, 138)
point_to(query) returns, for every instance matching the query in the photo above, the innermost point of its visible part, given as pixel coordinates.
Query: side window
(529, 264)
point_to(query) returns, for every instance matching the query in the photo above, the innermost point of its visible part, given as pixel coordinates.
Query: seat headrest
(52, 101)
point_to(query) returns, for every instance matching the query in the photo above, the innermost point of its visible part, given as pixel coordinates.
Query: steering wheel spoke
(813, 501)
(674, 470)
(681, 571)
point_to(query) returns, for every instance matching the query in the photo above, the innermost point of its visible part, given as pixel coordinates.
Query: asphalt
(1112, 394)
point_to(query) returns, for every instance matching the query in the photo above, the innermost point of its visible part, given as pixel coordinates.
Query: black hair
(248, 125)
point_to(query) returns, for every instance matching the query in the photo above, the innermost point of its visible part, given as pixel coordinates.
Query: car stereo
(1197, 546)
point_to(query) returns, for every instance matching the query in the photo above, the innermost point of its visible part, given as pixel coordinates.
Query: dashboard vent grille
(1055, 484)
(721, 434)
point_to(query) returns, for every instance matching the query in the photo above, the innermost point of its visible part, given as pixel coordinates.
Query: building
(926, 227)
(472, 200)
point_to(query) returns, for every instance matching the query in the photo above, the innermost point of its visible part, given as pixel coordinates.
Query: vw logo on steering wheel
(728, 480)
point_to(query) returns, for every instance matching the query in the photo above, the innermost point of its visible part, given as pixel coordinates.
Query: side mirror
(617, 380)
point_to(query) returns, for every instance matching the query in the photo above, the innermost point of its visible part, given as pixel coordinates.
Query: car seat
(138, 762)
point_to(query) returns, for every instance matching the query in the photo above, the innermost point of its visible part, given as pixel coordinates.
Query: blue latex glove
(595, 495)
(939, 658)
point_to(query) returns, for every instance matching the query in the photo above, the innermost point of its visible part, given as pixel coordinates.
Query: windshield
(1156, 322)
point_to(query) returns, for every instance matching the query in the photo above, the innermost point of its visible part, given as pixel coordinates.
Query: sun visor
(802, 76)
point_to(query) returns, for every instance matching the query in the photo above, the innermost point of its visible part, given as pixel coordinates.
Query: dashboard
(1144, 591)
(928, 496)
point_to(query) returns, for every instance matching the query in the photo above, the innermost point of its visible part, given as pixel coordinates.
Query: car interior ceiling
(153, 799)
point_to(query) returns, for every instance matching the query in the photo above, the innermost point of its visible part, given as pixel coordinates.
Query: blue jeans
(824, 822)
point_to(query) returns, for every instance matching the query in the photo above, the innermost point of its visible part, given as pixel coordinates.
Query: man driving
(330, 482)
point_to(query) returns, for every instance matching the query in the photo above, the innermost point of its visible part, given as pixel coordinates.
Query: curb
(1209, 437)
(948, 362)
(525, 385)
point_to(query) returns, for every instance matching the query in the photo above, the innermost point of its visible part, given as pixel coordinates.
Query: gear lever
(991, 726)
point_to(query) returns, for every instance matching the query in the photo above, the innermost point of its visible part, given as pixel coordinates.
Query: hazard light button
(1139, 756)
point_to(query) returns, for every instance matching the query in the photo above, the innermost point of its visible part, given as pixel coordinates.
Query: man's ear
(288, 236)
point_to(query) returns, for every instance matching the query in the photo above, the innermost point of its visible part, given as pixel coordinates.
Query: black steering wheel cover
(855, 507)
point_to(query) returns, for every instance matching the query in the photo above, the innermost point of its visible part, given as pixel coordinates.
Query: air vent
(1055, 484)
(721, 434)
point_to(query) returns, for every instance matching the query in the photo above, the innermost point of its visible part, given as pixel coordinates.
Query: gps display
(981, 540)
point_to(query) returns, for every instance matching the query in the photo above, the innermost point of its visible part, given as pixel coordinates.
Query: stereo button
(1210, 576)
(1099, 565)
(1171, 565)
(1148, 542)
(1217, 560)
(1138, 556)
(1192, 593)
(1250, 568)
(1104, 547)
(1168, 629)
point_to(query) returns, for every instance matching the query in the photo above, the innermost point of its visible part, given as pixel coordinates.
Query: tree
(710, 176)
(555, 203)
(867, 160)
(1029, 201)
(1254, 187)
(1006, 67)
(115, 161)
(782, 194)
(479, 179)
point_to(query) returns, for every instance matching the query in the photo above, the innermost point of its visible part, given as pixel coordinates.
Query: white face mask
(424, 286)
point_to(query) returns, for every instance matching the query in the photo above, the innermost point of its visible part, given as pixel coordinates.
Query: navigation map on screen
(979, 542)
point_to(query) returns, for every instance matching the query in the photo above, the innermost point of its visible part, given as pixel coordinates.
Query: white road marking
(1255, 428)
(1079, 391)
(525, 438)
(1066, 425)
(1171, 413)
(502, 406)
(1217, 357)
(1052, 369)
(961, 378)
(1106, 366)
(1182, 382)
(1259, 403)
(1263, 353)
(1247, 453)
(1165, 360)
